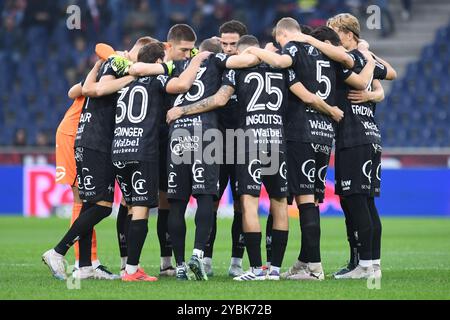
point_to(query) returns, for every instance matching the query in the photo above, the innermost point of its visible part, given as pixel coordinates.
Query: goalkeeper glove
(120, 65)
(170, 67)
(194, 52)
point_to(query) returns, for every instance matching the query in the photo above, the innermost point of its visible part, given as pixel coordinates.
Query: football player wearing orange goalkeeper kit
(66, 174)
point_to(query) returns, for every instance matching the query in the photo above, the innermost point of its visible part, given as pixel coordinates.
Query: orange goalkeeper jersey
(69, 123)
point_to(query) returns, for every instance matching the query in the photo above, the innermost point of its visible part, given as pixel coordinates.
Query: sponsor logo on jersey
(123, 186)
(367, 170)
(79, 154)
(309, 170)
(321, 148)
(60, 173)
(283, 170)
(312, 51)
(377, 147)
(197, 172)
(292, 51)
(185, 143)
(221, 56)
(346, 184)
(171, 180)
(119, 164)
(231, 76)
(254, 170)
(292, 74)
(369, 125)
(322, 125)
(88, 180)
(322, 174)
(163, 79)
(138, 184)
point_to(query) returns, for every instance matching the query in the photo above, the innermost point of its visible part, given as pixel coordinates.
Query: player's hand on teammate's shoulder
(336, 114)
(271, 47)
(301, 37)
(363, 45)
(120, 65)
(201, 56)
(173, 114)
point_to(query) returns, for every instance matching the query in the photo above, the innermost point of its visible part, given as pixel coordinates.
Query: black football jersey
(228, 115)
(262, 93)
(139, 111)
(207, 82)
(358, 126)
(319, 75)
(96, 125)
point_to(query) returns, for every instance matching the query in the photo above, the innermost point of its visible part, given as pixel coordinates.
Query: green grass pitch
(415, 262)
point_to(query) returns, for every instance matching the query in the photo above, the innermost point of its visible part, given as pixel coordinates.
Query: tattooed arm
(219, 99)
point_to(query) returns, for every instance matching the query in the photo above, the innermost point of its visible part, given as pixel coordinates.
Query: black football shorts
(358, 170)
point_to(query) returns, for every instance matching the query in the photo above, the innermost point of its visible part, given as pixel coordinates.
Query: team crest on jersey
(221, 56)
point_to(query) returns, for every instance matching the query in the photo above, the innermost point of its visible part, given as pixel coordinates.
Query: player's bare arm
(218, 100)
(184, 82)
(107, 85)
(362, 96)
(391, 73)
(362, 80)
(141, 69)
(338, 54)
(75, 91)
(271, 58)
(244, 60)
(316, 102)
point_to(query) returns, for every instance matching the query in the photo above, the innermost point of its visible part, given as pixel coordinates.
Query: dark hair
(150, 53)
(306, 29)
(247, 41)
(211, 45)
(181, 32)
(324, 33)
(233, 26)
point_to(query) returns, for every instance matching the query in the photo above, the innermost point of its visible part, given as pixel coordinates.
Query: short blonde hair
(287, 24)
(345, 22)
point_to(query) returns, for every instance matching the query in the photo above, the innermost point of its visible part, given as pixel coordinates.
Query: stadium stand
(42, 59)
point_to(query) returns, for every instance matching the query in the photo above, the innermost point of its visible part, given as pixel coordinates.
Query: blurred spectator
(209, 16)
(39, 21)
(42, 140)
(140, 21)
(20, 138)
(407, 7)
(99, 19)
(387, 21)
(178, 11)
